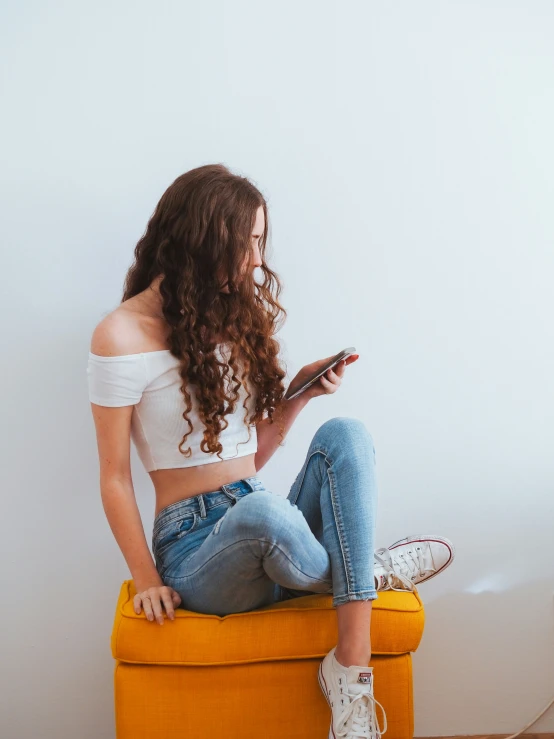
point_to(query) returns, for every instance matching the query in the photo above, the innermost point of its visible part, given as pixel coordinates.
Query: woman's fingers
(331, 380)
(334, 375)
(168, 604)
(152, 601)
(147, 606)
(176, 598)
(156, 606)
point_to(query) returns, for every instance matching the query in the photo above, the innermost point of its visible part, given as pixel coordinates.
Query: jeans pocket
(173, 532)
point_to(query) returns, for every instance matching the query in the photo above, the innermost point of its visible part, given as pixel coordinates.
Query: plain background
(406, 153)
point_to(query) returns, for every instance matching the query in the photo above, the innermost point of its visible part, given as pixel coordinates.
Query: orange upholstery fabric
(252, 674)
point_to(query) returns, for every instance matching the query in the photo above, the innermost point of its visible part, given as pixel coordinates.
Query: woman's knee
(346, 428)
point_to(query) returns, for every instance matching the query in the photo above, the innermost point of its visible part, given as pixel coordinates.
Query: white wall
(406, 150)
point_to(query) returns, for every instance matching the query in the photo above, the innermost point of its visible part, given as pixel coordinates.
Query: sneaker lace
(359, 718)
(403, 568)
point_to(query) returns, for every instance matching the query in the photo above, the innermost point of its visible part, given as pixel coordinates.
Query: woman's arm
(120, 507)
(269, 437)
(117, 378)
(117, 492)
(328, 383)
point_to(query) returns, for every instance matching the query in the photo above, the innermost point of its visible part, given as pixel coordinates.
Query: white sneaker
(349, 693)
(410, 561)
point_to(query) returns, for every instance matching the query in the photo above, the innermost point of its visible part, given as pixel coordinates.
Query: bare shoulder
(120, 332)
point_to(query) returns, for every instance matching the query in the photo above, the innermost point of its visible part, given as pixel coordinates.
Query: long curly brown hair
(201, 231)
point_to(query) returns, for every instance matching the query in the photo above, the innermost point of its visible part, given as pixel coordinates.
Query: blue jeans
(242, 547)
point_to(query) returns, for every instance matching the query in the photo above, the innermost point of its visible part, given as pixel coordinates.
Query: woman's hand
(328, 383)
(152, 599)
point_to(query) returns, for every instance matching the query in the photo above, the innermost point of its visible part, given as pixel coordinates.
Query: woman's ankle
(347, 656)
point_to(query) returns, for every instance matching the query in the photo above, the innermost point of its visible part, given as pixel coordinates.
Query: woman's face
(255, 257)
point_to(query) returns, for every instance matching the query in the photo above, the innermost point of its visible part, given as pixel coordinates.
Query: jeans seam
(340, 528)
(316, 451)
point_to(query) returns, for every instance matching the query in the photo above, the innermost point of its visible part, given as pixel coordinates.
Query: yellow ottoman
(252, 675)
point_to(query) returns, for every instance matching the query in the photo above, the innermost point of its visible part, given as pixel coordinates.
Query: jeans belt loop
(202, 504)
(229, 495)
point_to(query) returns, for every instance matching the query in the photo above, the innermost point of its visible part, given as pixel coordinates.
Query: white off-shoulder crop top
(150, 381)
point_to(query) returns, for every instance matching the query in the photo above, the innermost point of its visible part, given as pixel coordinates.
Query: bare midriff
(177, 484)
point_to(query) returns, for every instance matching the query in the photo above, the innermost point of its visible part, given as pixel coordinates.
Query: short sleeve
(116, 381)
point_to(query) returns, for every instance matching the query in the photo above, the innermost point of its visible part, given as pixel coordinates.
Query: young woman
(187, 366)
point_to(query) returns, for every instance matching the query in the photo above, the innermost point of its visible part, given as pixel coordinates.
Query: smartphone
(292, 392)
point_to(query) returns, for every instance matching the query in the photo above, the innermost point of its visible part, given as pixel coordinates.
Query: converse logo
(364, 677)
